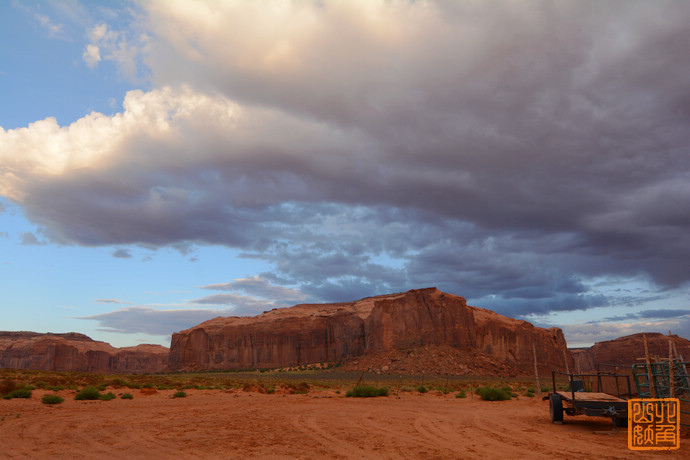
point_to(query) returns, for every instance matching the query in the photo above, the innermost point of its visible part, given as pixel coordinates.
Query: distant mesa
(422, 331)
(419, 331)
(77, 352)
(623, 352)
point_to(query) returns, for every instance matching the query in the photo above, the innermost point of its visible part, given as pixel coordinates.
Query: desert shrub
(299, 389)
(118, 382)
(107, 397)
(461, 394)
(180, 394)
(7, 386)
(422, 389)
(87, 393)
(19, 393)
(52, 399)
(367, 391)
(493, 394)
(302, 388)
(127, 396)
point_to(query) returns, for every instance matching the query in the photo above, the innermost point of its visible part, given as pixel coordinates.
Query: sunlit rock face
(382, 326)
(626, 351)
(77, 352)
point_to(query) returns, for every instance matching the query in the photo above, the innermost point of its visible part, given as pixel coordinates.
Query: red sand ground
(321, 424)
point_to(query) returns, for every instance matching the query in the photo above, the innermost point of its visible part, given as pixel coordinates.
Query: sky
(165, 162)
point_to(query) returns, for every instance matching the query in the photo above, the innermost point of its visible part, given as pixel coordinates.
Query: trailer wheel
(556, 408)
(620, 422)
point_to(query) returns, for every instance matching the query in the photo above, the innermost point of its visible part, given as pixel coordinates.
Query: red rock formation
(77, 352)
(375, 326)
(625, 351)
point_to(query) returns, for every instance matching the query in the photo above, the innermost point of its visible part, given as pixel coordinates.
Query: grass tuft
(19, 393)
(180, 394)
(366, 391)
(127, 396)
(88, 394)
(52, 399)
(493, 394)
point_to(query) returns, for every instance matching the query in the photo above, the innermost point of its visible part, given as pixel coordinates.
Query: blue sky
(166, 162)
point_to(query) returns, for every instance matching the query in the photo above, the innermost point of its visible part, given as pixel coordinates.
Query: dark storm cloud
(241, 305)
(507, 152)
(116, 301)
(663, 313)
(147, 320)
(29, 239)
(122, 254)
(257, 286)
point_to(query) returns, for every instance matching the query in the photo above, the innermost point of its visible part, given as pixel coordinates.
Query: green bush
(88, 393)
(52, 399)
(7, 386)
(127, 396)
(493, 394)
(180, 394)
(366, 391)
(107, 397)
(461, 394)
(20, 393)
(422, 389)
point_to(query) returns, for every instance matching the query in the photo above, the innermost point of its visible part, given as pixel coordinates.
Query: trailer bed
(586, 396)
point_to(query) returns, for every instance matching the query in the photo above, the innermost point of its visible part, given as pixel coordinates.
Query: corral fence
(665, 379)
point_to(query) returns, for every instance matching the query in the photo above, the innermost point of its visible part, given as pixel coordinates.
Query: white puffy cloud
(92, 55)
(116, 46)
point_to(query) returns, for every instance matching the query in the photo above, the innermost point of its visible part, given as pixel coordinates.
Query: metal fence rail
(665, 381)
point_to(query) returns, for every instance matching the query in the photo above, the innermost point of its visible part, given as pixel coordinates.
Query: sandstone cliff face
(375, 326)
(77, 352)
(625, 351)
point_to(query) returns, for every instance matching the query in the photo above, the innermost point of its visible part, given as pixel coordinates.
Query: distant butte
(77, 352)
(625, 351)
(419, 331)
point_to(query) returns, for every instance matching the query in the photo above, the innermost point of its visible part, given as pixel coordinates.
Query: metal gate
(665, 381)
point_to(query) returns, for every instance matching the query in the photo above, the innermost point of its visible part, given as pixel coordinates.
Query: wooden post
(650, 376)
(565, 357)
(359, 380)
(671, 383)
(536, 370)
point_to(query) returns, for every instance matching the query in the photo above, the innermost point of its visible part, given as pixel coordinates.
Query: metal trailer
(577, 401)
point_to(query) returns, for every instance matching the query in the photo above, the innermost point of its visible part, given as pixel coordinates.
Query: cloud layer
(497, 150)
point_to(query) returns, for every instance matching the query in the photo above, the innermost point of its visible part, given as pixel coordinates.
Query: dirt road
(236, 424)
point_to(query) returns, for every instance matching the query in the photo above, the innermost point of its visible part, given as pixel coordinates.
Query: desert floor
(321, 424)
